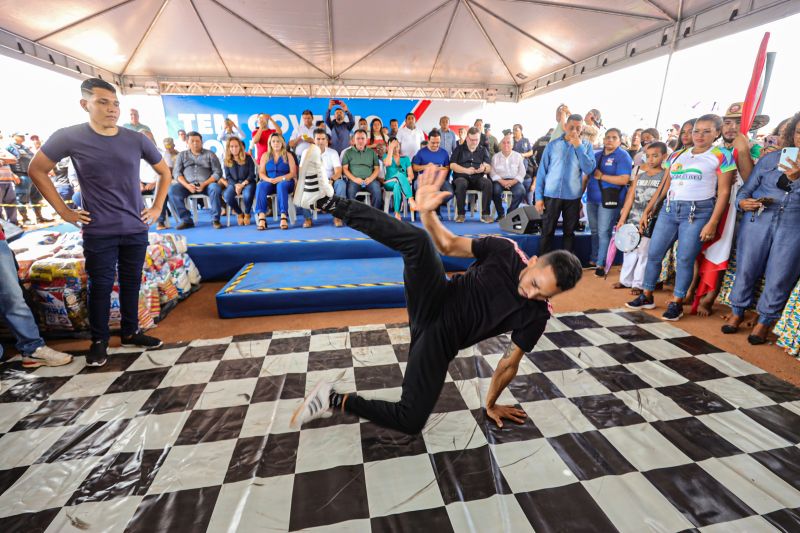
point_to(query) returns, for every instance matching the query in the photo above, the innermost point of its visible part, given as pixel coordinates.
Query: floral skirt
(668, 265)
(788, 327)
(727, 284)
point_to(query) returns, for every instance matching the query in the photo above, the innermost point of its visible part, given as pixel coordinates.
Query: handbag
(609, 196)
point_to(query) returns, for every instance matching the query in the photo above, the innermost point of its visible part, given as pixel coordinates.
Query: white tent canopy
(463, 49)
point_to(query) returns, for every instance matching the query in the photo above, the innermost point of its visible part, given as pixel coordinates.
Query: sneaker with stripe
(311, 183)
(315, 405)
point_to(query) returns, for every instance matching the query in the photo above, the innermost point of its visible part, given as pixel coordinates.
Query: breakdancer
(503, 290)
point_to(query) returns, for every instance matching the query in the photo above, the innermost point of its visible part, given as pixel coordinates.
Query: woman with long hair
(240, 179)
(636, 142)
(685, 135)
(696, 193)
(278, 173)
(769, 239)
(399, 175)
(376, 136)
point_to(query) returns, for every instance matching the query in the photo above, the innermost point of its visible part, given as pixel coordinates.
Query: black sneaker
(185, 225)
(599, 272)
(141, 340)
(97, 354)
(674, 312)
(642, 302)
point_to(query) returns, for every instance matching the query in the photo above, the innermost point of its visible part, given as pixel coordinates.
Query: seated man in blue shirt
(196, 171)
(560, 182)
(434, 154)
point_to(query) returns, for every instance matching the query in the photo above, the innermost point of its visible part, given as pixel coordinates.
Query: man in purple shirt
(114, 222)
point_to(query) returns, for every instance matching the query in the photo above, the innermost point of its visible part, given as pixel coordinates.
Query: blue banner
(207, 114)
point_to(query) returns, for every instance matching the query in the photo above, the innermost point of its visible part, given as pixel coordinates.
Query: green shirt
(361, 164)
(393, 170)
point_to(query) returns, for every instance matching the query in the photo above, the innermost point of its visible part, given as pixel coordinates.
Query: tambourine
(627, 238)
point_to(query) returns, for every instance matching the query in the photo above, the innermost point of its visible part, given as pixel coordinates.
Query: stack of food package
(53, 267)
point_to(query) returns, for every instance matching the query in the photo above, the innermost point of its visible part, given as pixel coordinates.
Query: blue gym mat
(312, 286)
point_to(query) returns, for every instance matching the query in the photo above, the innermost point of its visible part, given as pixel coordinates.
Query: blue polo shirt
(617, 163)
(425, 156)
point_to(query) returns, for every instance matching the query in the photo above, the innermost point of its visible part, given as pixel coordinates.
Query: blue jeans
(374, 189)
(248, 195)
(601, 222)
(178, 195)
(77, 201)
(27, 193)
(676, 221)
(517, 195)
(8, 197)
(526, 184)
(119, 256)
(65, 192)
(768, 244)
(282, 190)
(13, 308)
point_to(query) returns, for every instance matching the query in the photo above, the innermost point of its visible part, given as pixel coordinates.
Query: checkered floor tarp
(633, 426)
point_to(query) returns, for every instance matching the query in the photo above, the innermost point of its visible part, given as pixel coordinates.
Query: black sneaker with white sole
(674, 312)
(141, 340)
(642, 302)
(98, 354)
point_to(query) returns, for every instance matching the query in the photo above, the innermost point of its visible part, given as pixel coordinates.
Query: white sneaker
(46, 356)
(311, 182)
(315, 405)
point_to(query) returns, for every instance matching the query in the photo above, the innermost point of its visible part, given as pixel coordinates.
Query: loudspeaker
(525, 219)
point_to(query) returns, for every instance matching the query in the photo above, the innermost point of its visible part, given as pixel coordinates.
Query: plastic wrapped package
(182, 283)
(61, 306)
(33, 240)
(50, 269)
(114, 316)
(191, 269)
(145, 317)
(27, 258)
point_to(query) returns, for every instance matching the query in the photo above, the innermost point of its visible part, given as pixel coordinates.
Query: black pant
(553, 207)
(431, 348)
(106, 258)
(477, 182)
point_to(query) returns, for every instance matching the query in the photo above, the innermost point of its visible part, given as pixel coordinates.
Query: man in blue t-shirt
(433, 154)
(113, 219)
(612, 173)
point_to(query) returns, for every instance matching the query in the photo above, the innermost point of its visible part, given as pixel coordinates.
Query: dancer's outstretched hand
(499, 412)
(429, 194)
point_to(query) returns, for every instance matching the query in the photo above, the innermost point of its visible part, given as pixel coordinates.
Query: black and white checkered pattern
(633, 425)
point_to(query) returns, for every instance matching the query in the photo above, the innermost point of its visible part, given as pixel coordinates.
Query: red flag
(754, 90)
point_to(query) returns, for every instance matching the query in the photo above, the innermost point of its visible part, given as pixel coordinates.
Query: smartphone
(765, 201)
(788, 153)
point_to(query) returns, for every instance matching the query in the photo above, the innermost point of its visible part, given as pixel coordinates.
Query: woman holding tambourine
(695, 194)
(769, 236)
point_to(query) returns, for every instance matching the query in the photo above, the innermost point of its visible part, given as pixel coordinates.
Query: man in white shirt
(508, 172)
(410, 137)
(331, 166)
(303, 134)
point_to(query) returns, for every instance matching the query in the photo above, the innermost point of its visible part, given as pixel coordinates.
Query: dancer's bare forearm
(506, 371)
(445, 241)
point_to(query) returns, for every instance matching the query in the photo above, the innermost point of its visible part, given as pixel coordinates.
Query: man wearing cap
(26, 190)
(339, 127)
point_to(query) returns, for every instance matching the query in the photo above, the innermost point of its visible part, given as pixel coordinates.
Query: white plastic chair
(364, 196)
(388, 196)
(292, 209)
(505, 198)
(192, 202)
(150, 199)
(476, 205)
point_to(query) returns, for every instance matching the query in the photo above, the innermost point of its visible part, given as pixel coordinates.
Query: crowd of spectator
(683, 192)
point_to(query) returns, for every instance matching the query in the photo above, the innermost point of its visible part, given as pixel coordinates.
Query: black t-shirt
(463, 157)
(484, 301)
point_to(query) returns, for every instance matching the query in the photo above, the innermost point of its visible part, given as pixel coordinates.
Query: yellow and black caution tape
(240, 277)
(320, 287)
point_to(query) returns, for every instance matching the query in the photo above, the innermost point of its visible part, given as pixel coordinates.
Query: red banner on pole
(754, 90)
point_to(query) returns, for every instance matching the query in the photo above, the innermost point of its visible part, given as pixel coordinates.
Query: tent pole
(669, 60)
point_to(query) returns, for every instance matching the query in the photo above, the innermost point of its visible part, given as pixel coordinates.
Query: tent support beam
(444, 40)
(395, 36)
(669, 60)
(81, 21)
(488, 39)
(597, 10)
(329, 4)
(268, 36)
(526, 34)
(211, 39)
(144, 36)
